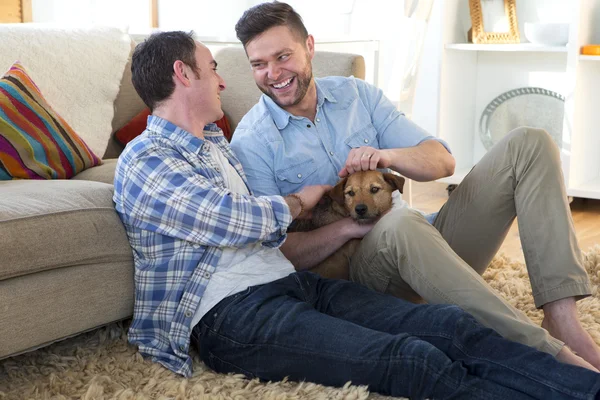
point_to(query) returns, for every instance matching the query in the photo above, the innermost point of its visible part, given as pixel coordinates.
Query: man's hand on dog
(364, 159)
(310, 196)
(357, 229)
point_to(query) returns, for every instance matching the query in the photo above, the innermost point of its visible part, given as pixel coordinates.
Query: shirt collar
(281, 117)
(168, 129)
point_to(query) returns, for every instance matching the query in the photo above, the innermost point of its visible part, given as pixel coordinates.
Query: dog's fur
(364, 196)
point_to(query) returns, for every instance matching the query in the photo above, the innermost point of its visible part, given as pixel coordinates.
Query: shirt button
(318, 120)
(366, 140)
(218, 169)
(308, 125)
(182, 348)
(207, 275)
(331, 153)
(188, 313)
(299, 175)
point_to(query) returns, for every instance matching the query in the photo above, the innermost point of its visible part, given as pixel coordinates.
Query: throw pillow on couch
(137, 125)
(36, 142)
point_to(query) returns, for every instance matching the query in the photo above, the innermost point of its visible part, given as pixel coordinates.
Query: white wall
(127, 14)
(325, 19)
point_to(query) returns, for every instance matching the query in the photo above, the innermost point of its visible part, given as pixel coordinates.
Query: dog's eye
(374, 189)
(350, 193)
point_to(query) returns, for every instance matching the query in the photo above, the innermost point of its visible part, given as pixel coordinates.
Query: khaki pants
(407, 257)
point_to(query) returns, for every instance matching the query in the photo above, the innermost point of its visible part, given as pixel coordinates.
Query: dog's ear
(337, 192)
(395, 180)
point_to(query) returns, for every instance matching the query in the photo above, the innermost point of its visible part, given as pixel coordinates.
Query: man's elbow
(448, 166)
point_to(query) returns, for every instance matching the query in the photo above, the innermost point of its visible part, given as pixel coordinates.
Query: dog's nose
(361, 209)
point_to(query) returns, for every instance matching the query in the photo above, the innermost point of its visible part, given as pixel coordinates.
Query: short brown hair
(263, 17)
(152, 64)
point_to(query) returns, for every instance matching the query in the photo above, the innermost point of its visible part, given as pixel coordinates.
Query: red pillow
(137, 125)
(133, 128)
(223, 123)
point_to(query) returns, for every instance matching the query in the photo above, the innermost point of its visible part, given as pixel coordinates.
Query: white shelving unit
(471, 75)
(506, 47)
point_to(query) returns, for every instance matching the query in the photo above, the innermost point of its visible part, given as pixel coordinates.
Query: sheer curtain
(416, 17)
(401, 32)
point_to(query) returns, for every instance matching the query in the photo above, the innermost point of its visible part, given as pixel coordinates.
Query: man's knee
(530, 146)
(537, 140)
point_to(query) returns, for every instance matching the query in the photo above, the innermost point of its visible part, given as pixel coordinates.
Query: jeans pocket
(378, 281)
(222, 366)
(219, 312)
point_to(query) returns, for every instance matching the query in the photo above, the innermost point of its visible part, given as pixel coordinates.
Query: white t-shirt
(239, 268)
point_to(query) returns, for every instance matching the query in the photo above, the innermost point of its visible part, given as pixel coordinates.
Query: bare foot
(567, 356)
(562, 322)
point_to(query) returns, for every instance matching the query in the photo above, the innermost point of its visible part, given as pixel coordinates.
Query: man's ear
(310, 46)
(337, 193)
(179, 69)
(395, 180)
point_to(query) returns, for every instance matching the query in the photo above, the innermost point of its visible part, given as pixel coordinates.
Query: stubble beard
(302, 84)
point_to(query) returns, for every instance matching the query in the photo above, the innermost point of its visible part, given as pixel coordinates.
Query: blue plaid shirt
(178, 214)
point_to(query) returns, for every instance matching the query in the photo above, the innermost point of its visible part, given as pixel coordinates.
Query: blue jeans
(330, 332)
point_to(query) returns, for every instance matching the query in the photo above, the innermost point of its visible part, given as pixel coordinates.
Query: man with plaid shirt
(208, 270)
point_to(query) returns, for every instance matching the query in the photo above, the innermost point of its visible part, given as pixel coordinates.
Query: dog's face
(366, 194)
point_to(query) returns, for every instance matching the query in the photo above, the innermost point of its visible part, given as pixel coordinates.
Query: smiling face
(281, 64)
(207, 85)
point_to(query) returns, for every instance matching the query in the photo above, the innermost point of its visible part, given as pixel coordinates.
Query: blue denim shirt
(281, 153)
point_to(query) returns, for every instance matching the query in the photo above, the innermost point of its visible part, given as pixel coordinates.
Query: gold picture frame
(480, 33)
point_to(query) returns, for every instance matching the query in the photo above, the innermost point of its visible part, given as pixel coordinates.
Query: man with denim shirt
(208, 271)
(307, 131)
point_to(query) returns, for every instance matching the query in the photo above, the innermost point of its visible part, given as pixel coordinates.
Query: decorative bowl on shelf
(590, 50)
(547, 33)
(528, 106)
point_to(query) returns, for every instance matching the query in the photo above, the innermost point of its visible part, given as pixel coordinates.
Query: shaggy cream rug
(101, 365)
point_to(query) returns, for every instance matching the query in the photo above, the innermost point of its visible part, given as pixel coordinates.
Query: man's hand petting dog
(357, 202)
(302, 203)
(364, 159)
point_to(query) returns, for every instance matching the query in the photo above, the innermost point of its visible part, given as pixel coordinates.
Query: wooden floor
(430, 196)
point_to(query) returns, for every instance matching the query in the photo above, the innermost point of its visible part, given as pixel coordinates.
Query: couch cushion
(41, 308)
(36, 142)
(78, 70)
(127, 105)
(102, 173)
(58, 223)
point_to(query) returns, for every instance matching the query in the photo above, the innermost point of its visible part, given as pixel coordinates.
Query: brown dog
(364, 196)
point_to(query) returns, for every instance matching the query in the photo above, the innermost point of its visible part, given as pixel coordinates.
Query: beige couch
(65, 263)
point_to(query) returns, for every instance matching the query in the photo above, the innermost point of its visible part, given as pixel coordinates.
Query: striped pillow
(35, 142)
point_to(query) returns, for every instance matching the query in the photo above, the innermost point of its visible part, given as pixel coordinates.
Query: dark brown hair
(152, 64)
(263, 17)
